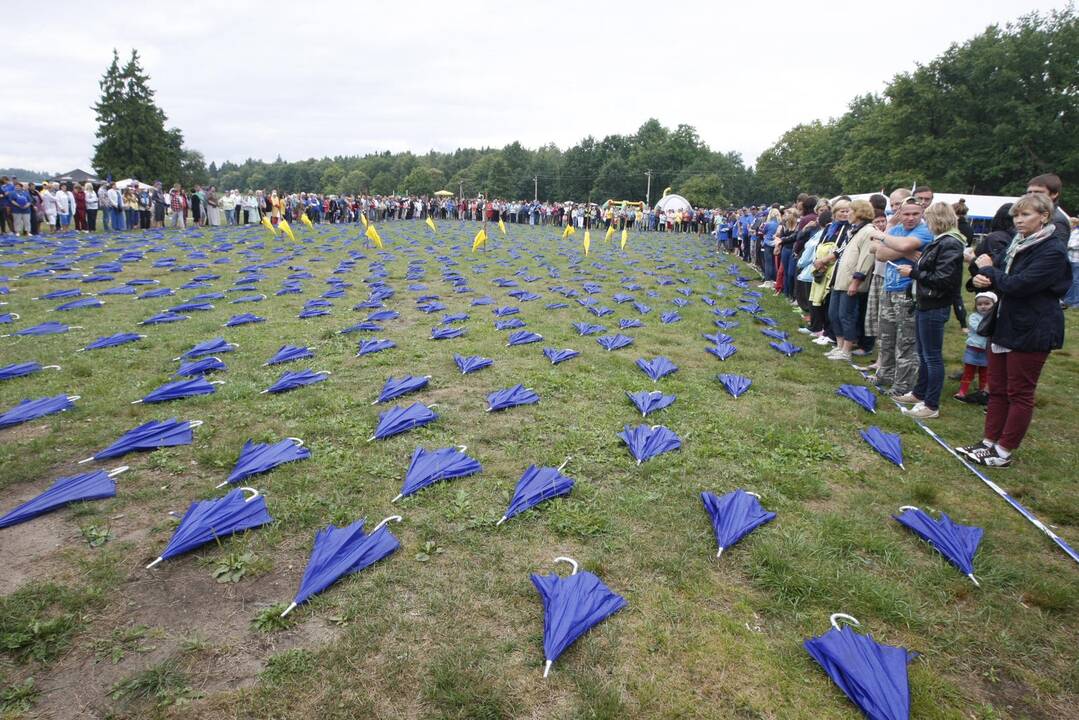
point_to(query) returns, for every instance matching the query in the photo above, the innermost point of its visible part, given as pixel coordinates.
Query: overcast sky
(313, 79)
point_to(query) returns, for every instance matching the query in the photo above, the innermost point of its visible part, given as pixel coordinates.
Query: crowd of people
(883, 275)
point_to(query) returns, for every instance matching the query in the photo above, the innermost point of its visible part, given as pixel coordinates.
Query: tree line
(981, 118)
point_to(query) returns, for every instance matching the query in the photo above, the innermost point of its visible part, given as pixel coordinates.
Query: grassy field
(450, 626)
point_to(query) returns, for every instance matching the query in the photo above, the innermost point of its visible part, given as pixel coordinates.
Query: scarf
(1021, 242)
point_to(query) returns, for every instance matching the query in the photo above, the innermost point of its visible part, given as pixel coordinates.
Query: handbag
(988, 325)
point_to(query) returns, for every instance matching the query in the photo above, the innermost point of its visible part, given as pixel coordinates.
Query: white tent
(123, 184)
(672, 202)
(980, 207)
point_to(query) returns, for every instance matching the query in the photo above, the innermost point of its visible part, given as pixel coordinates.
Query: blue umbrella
(787, 348)
(511, 324)
(17, 370)
(511, 397)
(958, 543)
(535, 486)
(523, 337)
(311, 313)
(431, 307)
(670, 317)
(774, 334)
(449, 318)
(641, 308)
(150, 436)
(571, 607)
(736, 385)
(646, 442)
(369, 346)
(429, 466)
(290, 353)
(362, 327)
(657, 367)
(648, 402)
(292, 380)
(160, 292)
(244, 319)
(471, 363)
(718, 338)
(256, 458)
(343, 551)
(394, 389)
(600, 310)
(614, 342)
(447, 333)
(96, 485)
(727, 324)
(885, 443)
(628, 323)
(584, 328)
(383, 315)
(397, 420)
(559, 356)
(90, 302)
(859, 394)
(112, 341)
(214, 346)
(248, 299)
(723, 350)
(201, 366)
(504, 311)
(190, 307)
(208, 520)
(872, 675)
(39, 407)
(164, 318)
(180, 389)
(59, 294)
(735, 515)
(8, 318)
(45, 328)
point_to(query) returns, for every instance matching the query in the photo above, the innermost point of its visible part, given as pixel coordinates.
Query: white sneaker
(908, 399)
(838, 354)
(805, 331)
(921, 411)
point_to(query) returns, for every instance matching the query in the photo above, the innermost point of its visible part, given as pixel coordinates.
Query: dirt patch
(31, 549)
(23, 432)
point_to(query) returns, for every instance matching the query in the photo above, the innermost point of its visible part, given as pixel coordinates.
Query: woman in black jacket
(1029, 276)
(1001, 232)
(938, 278)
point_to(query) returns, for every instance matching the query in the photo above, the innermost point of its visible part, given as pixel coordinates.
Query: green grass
(450, 626)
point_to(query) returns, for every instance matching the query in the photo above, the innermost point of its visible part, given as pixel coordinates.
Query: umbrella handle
(564, 463)
(51, 367)
(298, 441)
(17, 316)
(192, 424)
(236, 345)
(908, 507)
(394, 518)
(750, 492)
(217, 382)
(324, 372)
(842, 616)
(250, 489)
(569, 560)
(462, 448)
(73, 398)
(116, 471)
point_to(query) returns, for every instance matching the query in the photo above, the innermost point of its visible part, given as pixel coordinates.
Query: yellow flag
(307, 221)
(610, 233)
(431, 223)
(568, 231)
(502, 226)
(363, 216)
(587, 241)
(372, 235)
(625, 236)
(481, 239)
(286, 228)
(269, 225)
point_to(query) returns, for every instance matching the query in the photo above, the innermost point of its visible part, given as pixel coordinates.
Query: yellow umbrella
(501, 226)
(363, 216)
(610, 233)
(269, 225)
(307, 221)
(285, 228)
(431, 223)
(568, 231)
(625, 236)
(587, 241)
(443, 193)
(481, 239)
(373, 236)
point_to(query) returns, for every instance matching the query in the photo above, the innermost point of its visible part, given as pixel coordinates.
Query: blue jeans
(790, 270)
(843, 315)
(106, 219)
(769, 262)
(929, 329)
(1072, 298)
(118, 219)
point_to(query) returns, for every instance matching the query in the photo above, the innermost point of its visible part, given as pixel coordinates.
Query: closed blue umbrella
(649, 402)
(150, 436)
(450, 318)
(80, 304)
(670, 317)
(214, 346)
(430, 466)
(395, 388)
(718, 338)
(164, 319)
(511, 397)
(362, 327)
(45, 328)
(159, 292)
(59, 294)
(248, 299)
(112, 341)
(736, 385)
(557, 356)
(431, 307)
(399, 419)
(885, 443)
(17, 370)
(787, 348)
(571, 607)
(641, 308)
(629, 323)
(726, 324)
(656, 368)
(179, 390)
(292, 380)
(209, 520)
(859, 394)
(202, 366)
(523, 337)
(256, 458)
(343, 551)
(504, 311)
(8, 318)
(774, 334)
(471, 363)
(446, 333)
(383, 316)
(734, 516)
(244, 319)
(724, 312)
(600, 310)
(38, 407)
(369, 346)
(872, 675)
(290, 353)
(958, 543)
(119, 290)
(722, 350)
(191, 307)
(614, 342)
(307, 313)
(535, 486)
(765, 320)
(584, 328)
(96, 485)
(511, 324)
(646, 442)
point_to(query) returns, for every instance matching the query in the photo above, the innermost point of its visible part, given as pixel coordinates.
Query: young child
(974, 357)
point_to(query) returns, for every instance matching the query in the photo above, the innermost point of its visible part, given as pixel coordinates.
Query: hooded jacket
(938, 274)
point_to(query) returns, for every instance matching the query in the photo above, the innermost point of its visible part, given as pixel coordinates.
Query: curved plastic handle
(192, 424)
(569, 560)
(73, 398)
(462, 448)
(908, 507)
(750, 492)
(17, 316)
(116, 471)
(564, 463)
(843, 616)
(251, 490)
(324, 372)
(432, 405)
(217, 382)
(391, 518)
(229, 344)
(51, 367)
(298, 441)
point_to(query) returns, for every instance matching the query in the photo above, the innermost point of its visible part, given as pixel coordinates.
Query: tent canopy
(673, 203)
(78, 175)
